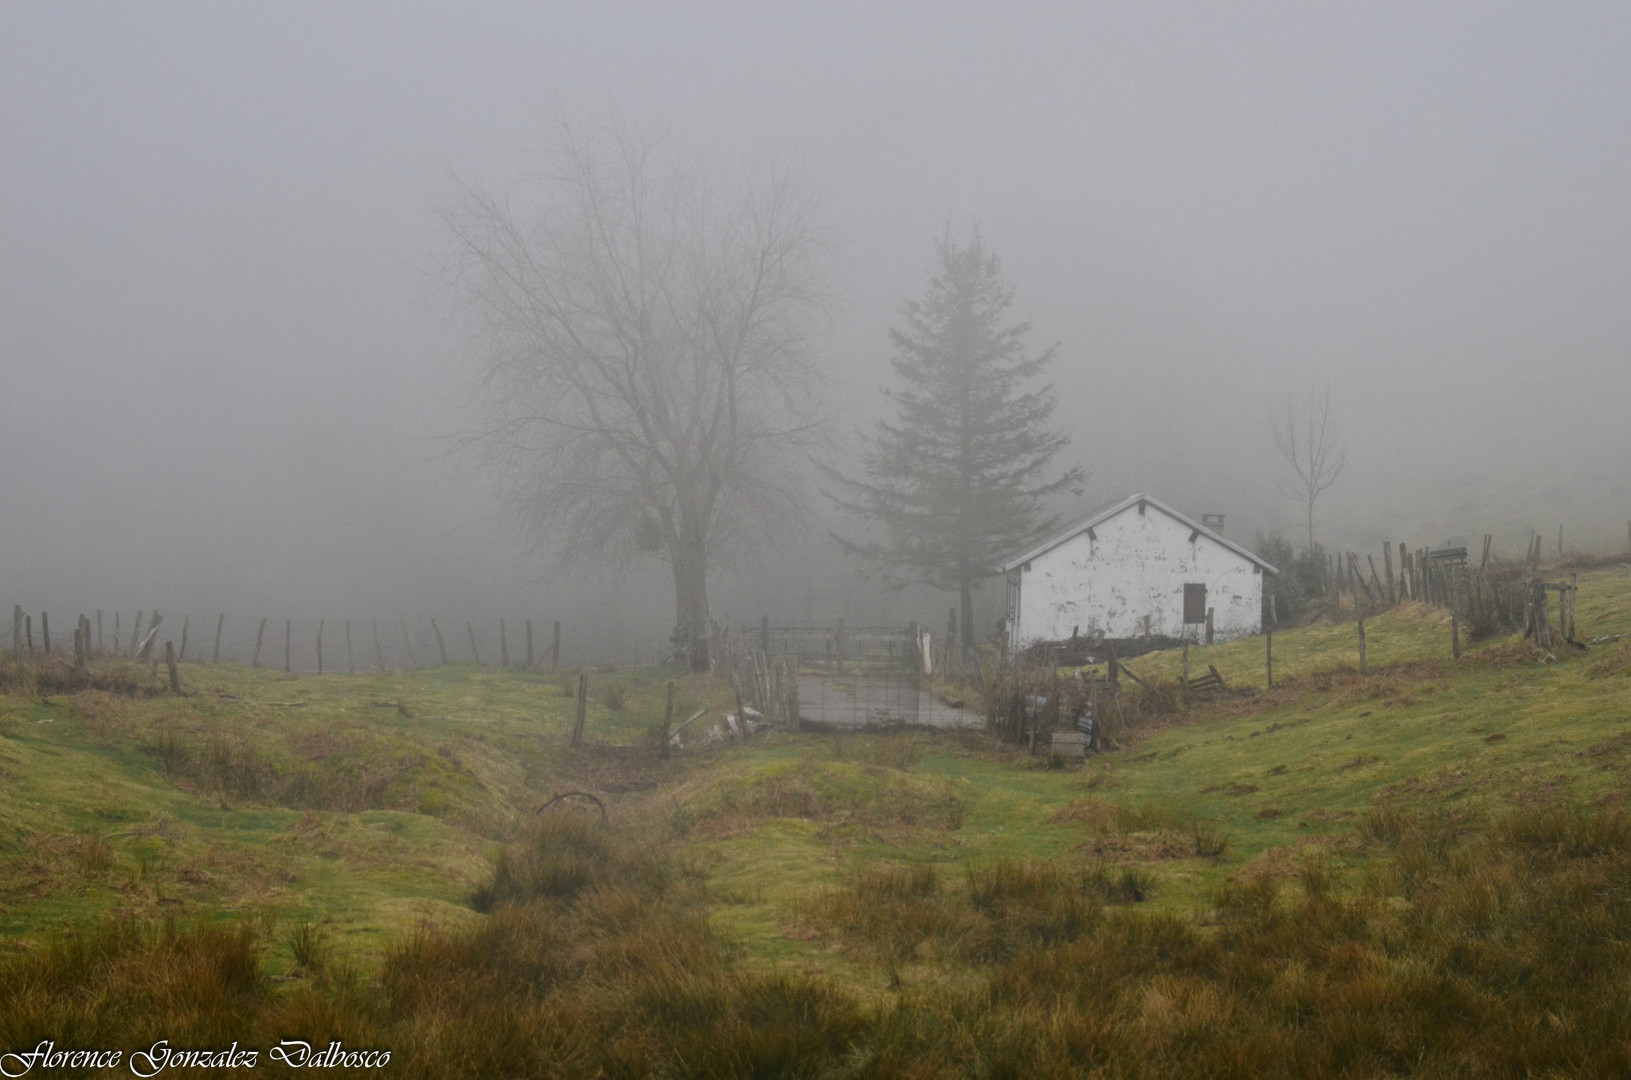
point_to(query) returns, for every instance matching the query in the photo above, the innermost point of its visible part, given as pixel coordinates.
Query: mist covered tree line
(644, 338)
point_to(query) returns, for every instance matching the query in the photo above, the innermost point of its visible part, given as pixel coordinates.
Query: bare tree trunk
(691, 604)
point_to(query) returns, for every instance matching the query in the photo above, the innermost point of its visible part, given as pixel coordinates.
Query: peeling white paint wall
(1134, 564)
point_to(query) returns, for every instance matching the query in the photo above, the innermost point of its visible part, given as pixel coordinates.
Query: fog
(227, 382)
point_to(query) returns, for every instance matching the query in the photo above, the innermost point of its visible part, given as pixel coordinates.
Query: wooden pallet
(1210, 683)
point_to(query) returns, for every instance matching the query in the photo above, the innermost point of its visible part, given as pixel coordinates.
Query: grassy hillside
(1423, 870)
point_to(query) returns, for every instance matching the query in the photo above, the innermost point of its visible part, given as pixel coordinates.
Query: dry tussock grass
(1491, 949)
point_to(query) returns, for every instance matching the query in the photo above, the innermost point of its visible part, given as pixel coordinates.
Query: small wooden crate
(1070, 744)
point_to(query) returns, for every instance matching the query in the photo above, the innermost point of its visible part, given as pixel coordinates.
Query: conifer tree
(958, 480)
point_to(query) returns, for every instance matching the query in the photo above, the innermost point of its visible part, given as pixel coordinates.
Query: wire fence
(338, 645)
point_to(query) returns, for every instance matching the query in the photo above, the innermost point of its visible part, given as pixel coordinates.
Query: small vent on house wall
(1214, 522)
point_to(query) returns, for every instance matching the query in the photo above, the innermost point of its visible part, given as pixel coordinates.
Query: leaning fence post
(407, 644)
(441, 647)
(181, 654)
(1455, 637)
(220, 623)
(1361, 646)
(468, 629)
(379, 653)
(28, 627)
(259, 635)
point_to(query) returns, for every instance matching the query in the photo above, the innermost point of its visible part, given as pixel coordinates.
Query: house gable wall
(1133, 564)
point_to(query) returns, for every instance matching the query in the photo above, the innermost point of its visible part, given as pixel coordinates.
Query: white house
(1133, 568)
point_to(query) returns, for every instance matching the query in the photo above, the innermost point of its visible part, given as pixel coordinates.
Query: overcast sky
(222, 379)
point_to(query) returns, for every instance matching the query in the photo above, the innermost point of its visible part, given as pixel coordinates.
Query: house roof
(1105, 513)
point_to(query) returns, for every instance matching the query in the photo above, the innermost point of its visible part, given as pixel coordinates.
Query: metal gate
(849, 677)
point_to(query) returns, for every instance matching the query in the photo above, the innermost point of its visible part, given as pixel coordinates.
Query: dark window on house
(1194, 604)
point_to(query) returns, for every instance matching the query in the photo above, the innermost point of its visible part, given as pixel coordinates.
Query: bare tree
(642, 361)
(1305, 432)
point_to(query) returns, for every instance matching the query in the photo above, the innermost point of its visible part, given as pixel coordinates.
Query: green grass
(1420, 870)
(369, 802)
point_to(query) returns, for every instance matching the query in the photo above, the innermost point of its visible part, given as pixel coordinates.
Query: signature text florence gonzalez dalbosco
(295, 1053)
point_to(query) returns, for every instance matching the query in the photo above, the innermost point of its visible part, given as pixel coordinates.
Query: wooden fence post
(17, 629)
(99, 630)
(150, 641)
(170, 662)
(529, 644)
(555, 646)
(288, 644)
(1387, 566)
(407, 645)
(181, 654)
(320, 625)
(1574, 600)
(79, 648)
(1455, 637)
(470, 630)
(1268, 656)
(45, 631)
(350, 666)
(259, 635)
(379, 653)
(1209, 626)
(668, 720)
(441, 647)
(220, 624)
(1361, 646)
(136, 633)
(764, 635)
(28, 627)
(583, 706)
(1535, 613)
(116, 632)
(503, 646)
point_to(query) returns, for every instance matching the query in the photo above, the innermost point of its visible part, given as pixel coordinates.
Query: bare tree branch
(1305, 433)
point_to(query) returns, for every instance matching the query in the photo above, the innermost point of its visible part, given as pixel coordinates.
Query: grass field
(1422, 870)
